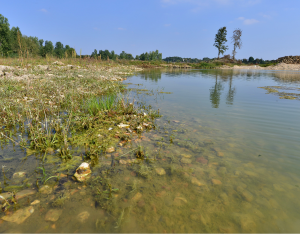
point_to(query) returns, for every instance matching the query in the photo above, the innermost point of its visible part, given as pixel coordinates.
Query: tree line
(106, 55)
(14, 44)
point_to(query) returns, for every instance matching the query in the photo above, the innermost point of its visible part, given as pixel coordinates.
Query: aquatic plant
(96, 104)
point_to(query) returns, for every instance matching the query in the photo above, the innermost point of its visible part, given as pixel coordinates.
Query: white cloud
(44, 10)
(248, 21)
(266, 16)
(122, 29)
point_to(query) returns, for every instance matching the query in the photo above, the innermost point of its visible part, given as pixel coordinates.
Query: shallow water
(227, 151)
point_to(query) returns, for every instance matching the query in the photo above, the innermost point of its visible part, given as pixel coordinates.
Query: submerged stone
(136, 197)
(19, 216)
(83, 172)
(217, 182)
(186, 160)
(179, 201)
(195, 181)
(19, 175)
(110, 149)
(25, 193)
(35, 202)
(202, 160)
(53, 215)
(160, 171)
(5, 196)
(83, 216)
(45, 189)
(186, 155)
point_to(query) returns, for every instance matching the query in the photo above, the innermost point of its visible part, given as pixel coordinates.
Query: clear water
(230, 153)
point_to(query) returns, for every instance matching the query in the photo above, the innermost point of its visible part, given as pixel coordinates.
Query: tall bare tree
(237, 41)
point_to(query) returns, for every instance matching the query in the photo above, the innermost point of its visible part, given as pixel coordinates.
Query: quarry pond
(222, 156)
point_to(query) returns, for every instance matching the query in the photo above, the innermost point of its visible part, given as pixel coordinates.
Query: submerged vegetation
(283, 94)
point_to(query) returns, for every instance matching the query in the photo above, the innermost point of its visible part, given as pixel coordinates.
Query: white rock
(121, 125)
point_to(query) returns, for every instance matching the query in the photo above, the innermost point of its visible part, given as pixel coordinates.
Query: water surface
(223, 158)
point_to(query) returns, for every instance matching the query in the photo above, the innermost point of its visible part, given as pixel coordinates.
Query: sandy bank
(280, 66)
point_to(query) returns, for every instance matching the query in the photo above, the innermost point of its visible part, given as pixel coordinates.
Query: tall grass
(96, 104)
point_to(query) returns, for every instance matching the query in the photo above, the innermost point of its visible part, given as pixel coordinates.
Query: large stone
(160, 171)
(245, 194)
(25, 193)
(180, 201)
(6, 195)
(53, 215)
(83, 216)
(216, 182)
(19, 175)
(186, 155)
(202, 160)
(83, 172)
(136, 197)
(45, 189)
(19, 216)
(195, 181)
(186, 160)
(43, 67)
(110, 149)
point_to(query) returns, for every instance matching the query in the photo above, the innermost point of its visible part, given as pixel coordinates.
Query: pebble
(83, 216)
(224, 199)
(220, 154)
(121, 161)
(161, 194)
(83, 172)
(186, 160)
(160, 171)
(136, 197)
(179, 201)
(35, 202)
(141, 203)
(19, 175)
(195, 181)
(25, 193)
(53, 215)
(186, 155)
(202, 160)
(217, 182)
(246, 195)
(5, 196)
(45, 189)
(19, 216)
(110, 149)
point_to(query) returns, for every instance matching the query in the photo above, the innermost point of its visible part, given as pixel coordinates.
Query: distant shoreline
(279, 66)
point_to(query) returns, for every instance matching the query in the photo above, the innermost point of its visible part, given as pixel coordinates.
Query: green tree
(251, 59)
(94, 54)
(15, 38)
(48, 48)
(59, 49)
(220, 41)
(4, 36)
(33, 45)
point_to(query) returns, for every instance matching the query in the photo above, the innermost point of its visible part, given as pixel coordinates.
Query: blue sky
(184, 28)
